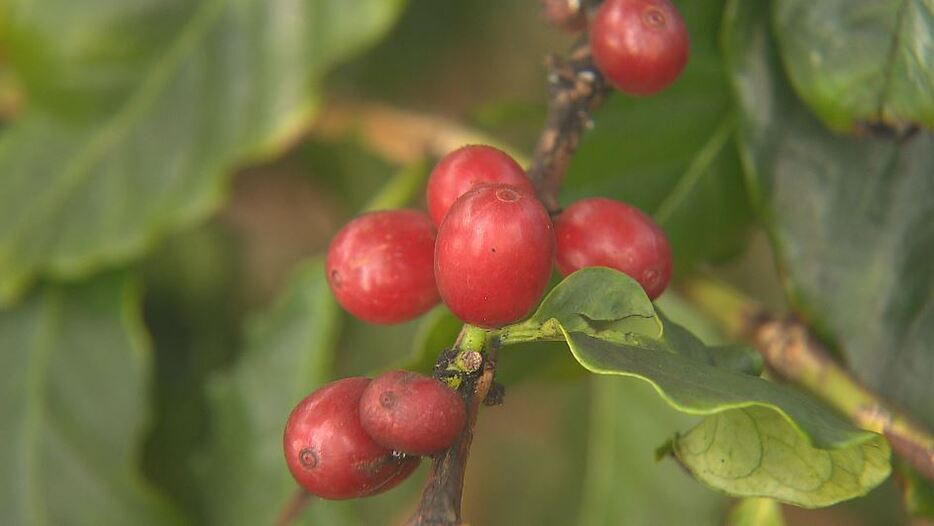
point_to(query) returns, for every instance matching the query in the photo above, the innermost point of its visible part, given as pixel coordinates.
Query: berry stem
(790, 350)
(294, 507)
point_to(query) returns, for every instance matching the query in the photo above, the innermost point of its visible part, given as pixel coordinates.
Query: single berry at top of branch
(467, 168)
(603, 232)
(641, 46)
(494, 255)
(330, 454)
(412, 413)
(380, 266)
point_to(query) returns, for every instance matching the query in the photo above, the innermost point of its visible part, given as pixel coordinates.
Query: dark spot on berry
(387, 399)
(308, 458)
(492, 250)
(336, 278)
(653, 17)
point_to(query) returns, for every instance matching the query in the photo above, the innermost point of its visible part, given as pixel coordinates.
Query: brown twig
(575, 89)
(790, 350)
(294, 507)
(441, 499)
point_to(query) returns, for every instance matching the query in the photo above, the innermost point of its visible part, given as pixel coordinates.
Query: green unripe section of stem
(474, 339)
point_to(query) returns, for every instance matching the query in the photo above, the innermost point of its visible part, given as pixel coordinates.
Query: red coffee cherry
(603, 232)
(411, 413)
(379, 266)
(494, 255)
(330, 454)
(466, 168)
(640, 45)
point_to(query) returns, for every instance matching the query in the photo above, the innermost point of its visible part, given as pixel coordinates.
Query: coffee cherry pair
(356, 437)
(641, 46)
(491, 260)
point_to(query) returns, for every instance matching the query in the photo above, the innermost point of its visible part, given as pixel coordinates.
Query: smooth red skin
(349, 463)
(412, 413)
(379, 266)
(601, 232)
(636, 55)
(467, 168)
(493, 257)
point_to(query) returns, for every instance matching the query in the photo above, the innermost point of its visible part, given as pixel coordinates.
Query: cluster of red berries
(492, 254)
(490, 262)
(357, 437)
(486, 248)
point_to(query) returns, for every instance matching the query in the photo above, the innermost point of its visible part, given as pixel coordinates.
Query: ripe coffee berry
(408, 412)
(379, 266)
(330, 454)
(640, 45)
(466, 168)
(494, 255)
(603, 232)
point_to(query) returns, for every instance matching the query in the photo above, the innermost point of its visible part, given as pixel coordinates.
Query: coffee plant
(376, 262)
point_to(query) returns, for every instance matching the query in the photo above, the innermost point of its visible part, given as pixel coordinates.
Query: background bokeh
(172, 170)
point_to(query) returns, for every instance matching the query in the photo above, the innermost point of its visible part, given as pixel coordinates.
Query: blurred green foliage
(161, 309)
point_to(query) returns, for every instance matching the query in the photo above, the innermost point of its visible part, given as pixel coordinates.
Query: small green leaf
(74, 368)
(739, 358)
(610, 305)
(754, 452)
(860, 60)
(756, 512)
(602, 302)
(138, 113)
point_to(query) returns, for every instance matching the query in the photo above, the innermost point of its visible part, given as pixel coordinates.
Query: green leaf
(599, 301)
(851, 222)
(756, 512)
(782, 419)
(673, 154)
(860, 60)
(74, 368)
(624, 484)
(130, 132)
(700, 380)
(754, 452)
(289, 352)
(739, 358)
(698, 388)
